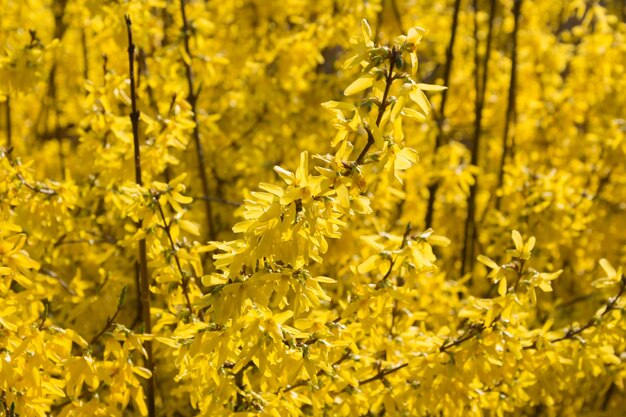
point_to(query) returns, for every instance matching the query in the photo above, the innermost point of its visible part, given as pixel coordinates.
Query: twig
(83, 39)
(44, 315)
(594, 321)
(8, 411)
(405, 238)
(379, 22)
(381, 107)
(144, 290)
(321, 372)
(434, 187)
(607, 396)
(469, 335)
(111, 319)
(467, 260)
(184, 278)
(8, 121)
(192, 98)
(382, 374)
(48, 272)
(35, 188)
(511, 111)
(397, 15)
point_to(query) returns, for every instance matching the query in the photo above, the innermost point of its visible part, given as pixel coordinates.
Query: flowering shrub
(185, 231)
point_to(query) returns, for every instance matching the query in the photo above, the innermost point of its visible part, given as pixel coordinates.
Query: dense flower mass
(184, 230)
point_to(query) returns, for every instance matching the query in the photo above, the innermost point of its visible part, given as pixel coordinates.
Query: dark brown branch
(48, 272)
(474, 330)
(511, 111)
(83, 38)
(379, 22)
(405, 238)
(167, 228)
(321, 372)
(111, 320)
(8, 411)
(607, 396)
(469, 335)
(35, 188)
(467, 260)
(144, 278)
(9, 128)
(382, 374)
(381, 107)
(397, 14)
(595, 321)
(192, 99)
(44, 315)
(434, 187)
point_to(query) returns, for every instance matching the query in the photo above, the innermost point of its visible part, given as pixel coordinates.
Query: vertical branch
(83, 38)
(166, 18)
(192, 99)
(432, 188)
(480, 84)
(511, 110)
(8, 121)
(167, 229)
(144, 290)
(396, 12)
(57, 129)
(142, 71)
(58, 8)
(105, 68)
(379, 21)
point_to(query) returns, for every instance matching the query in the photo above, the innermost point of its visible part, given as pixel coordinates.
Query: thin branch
(48, 272)
(111, 320)
(379, 22)
(469, 335)
(6, 153)
(467, 260)
(381, 107)
(83, 39)
(192, 99)
(511, 111)
(44, 315)
(607, 396)
(35, 188)
(321, 372)
(7, 110)
(8, 411)
(144, 290)
(405, 238)
(396, 13)
(167, 228)
(594, 321)
(434, 187)
(382, 374)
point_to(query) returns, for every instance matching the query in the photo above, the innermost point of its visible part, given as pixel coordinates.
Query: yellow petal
(517, 239)
(608, 268)
(487, 262)
(362, 83)
(326, 280)
(502, 287)
(431, 87)
(142, 372)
